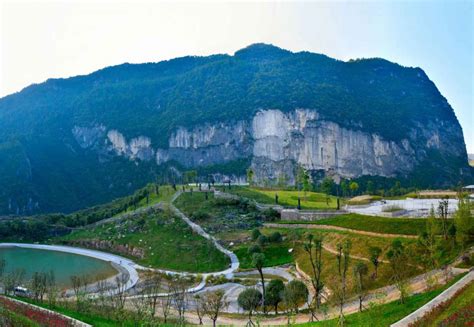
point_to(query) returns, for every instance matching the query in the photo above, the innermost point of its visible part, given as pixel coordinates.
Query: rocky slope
(65, 144)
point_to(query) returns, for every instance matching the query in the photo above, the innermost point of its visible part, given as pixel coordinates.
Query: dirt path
(343, 229)
(356, 257)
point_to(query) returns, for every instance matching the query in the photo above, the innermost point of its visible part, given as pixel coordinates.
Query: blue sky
(68, 38)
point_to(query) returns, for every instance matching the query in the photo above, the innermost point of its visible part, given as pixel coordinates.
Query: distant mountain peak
(262, 51)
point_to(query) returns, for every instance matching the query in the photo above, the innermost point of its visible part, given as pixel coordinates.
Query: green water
(64, 265)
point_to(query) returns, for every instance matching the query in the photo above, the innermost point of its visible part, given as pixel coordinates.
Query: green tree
(262, 240)
(275, 237)
(428, 242)
(213, 303)
(464, 222)
(374, 258)
(250, 175)
(327, 185)
(303, 180)
(249, 300)
(370, 188)
(344, 187)
(255, 234)
(360, 270)
(254, 248)
(190, 176)
(274, 293)
(258, 261)
(396, 189)
(399, 265)
(353, 186)
(295, 293)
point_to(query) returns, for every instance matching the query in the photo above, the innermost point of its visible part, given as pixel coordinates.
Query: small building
(468, 189)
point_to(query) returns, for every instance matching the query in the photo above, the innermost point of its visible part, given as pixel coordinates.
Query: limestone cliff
(276, 142)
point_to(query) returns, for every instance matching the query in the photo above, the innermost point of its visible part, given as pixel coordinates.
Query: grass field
(275, 255)
(385, 314)
(166, 192)
(285, 198)
(167, 241)
(405, 226)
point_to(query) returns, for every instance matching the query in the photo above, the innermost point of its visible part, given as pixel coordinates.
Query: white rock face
(207, 145)
(140, 148)
(137, 148)
(275, 142)
(87, 137)
(119, 144)
(322, 145)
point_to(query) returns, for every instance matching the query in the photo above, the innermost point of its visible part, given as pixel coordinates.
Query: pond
(62, 264)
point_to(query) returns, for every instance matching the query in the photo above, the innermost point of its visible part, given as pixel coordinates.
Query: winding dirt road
(337, 228)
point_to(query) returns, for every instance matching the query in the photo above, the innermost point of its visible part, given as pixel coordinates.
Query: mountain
(70, 143)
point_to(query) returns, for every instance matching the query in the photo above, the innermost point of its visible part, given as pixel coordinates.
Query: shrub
(275, 237)
(262, 240)
(200, 215)
(255, 234)
(271, 214)
(255, 248)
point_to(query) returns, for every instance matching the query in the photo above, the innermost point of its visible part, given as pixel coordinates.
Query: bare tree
(343, 259)
(213, 304)
(103, 287)
(3, 264)
(120, 285)
(38, 285)
(152, 292)
(165, 306)
(52, 290)
(76, 285)
(443, 215)
(314, 248)
(12, 280)
(178, 289)
(199, 307)
(141, 309)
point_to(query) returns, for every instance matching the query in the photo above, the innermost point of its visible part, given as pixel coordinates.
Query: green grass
(166, 192)
(286, 198)
(386, 314)
(168, 242)
(275, 255)
(404, 226)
